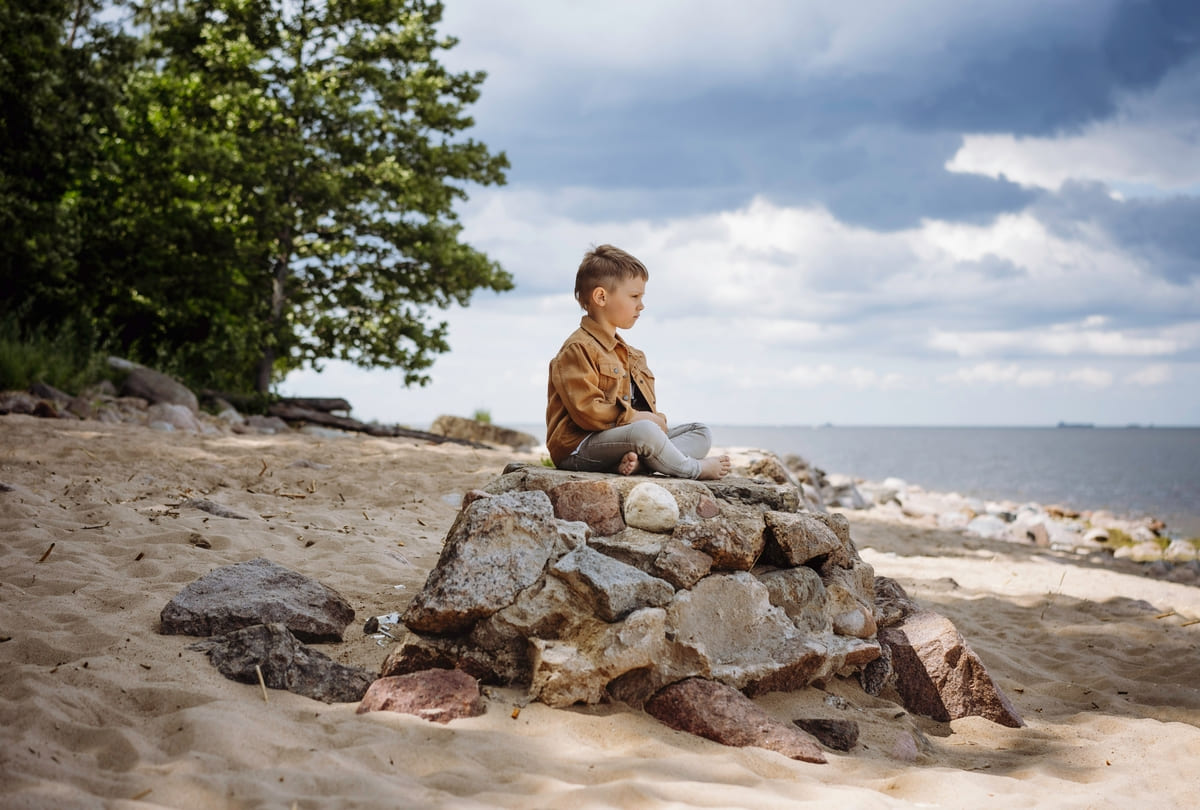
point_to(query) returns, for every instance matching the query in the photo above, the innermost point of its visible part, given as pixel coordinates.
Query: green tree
(171, 249)
(60, 77)
(314, 148)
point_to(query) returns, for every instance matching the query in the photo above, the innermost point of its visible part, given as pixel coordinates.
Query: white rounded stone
(1180, 551)
(651, 508)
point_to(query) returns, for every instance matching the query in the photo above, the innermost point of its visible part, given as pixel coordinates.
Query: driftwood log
(326, 404)
(248, 402)
(296, 413)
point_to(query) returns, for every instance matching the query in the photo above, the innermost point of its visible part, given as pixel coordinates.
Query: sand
(100, 710)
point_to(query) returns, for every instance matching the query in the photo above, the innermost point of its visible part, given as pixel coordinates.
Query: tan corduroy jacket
(590, 388)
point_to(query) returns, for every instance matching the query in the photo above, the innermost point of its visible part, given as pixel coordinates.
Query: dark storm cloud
(1051, 79)
(719, 152)
(1163, 231)
(868, 144)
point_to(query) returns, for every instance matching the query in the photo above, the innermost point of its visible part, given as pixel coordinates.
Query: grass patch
(483, 416)
(1117, 538)
(65, 358)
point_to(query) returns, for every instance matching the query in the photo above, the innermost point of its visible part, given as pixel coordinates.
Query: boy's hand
(656, 418)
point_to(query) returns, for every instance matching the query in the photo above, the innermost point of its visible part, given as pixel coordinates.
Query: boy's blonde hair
(605, 266)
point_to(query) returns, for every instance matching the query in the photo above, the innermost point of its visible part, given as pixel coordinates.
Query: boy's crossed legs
(681, 452)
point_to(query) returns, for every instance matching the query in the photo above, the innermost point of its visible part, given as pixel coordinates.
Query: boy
(600, 414)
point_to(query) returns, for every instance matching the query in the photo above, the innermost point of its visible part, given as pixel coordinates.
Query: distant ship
(1076, 425)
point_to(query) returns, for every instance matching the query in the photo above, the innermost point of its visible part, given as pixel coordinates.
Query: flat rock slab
(723, 714)
(694, 497)
(285, 663)
(257, 592)
(437, 695)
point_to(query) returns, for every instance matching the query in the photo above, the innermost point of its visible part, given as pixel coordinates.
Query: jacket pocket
(610, 384)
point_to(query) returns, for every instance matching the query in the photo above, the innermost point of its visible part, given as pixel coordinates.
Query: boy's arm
(580, 386)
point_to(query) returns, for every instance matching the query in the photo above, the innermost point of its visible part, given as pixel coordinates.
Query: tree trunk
(266, 365)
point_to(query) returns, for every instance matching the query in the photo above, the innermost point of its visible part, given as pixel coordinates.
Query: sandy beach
(100, 710)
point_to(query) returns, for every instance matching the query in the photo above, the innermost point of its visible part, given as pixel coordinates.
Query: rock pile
(588, 587)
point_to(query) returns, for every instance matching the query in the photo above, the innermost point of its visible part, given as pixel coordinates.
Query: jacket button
(626, 396)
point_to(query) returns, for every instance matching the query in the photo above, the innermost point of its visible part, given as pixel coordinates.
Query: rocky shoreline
(1098, 535)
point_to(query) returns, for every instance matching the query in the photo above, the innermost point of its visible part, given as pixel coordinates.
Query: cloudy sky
(868, 213)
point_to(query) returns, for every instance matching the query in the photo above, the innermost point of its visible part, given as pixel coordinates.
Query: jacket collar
(589, 325)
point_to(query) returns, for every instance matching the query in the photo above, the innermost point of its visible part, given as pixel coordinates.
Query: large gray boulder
(496, 548)
(154, 386)
(257, 592)
(616, 589)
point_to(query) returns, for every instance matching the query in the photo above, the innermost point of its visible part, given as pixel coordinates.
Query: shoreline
(1134, 473)
(875, 453)
(1099, 535)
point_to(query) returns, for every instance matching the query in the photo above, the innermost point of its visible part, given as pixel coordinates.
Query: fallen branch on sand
(297, 413)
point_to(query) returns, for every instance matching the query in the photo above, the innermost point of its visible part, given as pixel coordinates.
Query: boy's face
(620, 306)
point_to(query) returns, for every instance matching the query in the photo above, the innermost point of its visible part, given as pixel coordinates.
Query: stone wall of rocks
(587, 587)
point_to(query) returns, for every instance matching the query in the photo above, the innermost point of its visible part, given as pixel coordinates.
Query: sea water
(1130, 471)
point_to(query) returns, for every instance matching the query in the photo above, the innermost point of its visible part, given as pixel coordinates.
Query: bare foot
(714, 467)
(630, 463)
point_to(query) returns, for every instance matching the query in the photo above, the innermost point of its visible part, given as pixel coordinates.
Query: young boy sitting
(600, 414)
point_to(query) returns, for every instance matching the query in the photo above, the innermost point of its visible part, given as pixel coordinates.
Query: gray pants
(676, 453)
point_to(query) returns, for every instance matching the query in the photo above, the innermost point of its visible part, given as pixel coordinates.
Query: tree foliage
(276, 187)
(58, 91)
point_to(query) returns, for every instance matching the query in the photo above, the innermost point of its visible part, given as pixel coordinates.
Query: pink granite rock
(723, 714)
(938, 674)
(437, 695)
(595, 503)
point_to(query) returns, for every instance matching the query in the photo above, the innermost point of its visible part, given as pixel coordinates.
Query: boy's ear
(599, 296)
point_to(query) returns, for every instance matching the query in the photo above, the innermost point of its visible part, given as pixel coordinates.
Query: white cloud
(1146, 147)
(1116, 153)
(1157, 374)
(604, 54)
(1083, 338)
(813, 376)
(1090, 377)
(997, 374)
